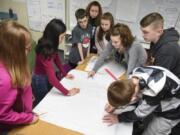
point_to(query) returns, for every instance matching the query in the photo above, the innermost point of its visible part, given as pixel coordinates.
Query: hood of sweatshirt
(170, 36)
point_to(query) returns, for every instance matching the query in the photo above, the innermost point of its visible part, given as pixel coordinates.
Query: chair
(31, 56)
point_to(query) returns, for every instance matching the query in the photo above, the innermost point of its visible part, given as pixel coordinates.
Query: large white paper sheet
(84, 111)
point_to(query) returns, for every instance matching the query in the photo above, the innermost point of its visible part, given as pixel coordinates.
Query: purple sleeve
(48, 66)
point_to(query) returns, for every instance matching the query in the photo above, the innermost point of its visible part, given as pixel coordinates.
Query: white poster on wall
(169, 9)
(127, 10)
(76, 4)
(40, 12)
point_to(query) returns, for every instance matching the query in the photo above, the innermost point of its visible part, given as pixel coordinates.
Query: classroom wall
(20, 9)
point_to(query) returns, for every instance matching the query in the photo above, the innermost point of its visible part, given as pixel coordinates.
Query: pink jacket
(15, 105)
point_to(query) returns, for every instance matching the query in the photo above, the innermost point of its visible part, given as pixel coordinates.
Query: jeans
(40, 87)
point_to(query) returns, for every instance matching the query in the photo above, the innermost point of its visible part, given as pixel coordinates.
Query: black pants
(140, 126)
(176, 130)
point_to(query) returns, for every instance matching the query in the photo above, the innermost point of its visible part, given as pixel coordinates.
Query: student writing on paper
(81, 38)
(102, 36)
(94, 13)
(15, 77)
(46, 55)
(124, 48)
(158, 92)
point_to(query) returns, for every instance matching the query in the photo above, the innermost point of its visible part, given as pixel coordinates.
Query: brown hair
(125, 34)
(105, 16)
(13, 40)
(153, 18)
(95, 3)
(80, 13)
(120, 92)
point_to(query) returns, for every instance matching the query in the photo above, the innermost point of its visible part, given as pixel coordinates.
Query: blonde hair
(13, 40)
(120, 92)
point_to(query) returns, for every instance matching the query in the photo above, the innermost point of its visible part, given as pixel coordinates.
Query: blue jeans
(40, 87)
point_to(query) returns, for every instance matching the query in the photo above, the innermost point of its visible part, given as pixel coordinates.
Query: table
(73, 107)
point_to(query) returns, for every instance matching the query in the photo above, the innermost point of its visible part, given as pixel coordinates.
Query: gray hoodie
(133, 56)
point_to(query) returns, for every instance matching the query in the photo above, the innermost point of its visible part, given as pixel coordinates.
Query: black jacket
(166, 52)
(160, 95)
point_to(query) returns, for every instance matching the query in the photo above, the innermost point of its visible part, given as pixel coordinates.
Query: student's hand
(110, 119)
(109, 108)
(91, 73)
(73, 91)
(69, 76)
(80, 62)
(35, 119)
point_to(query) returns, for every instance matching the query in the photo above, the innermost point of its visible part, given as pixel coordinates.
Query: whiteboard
(40, 12)
(124, 12)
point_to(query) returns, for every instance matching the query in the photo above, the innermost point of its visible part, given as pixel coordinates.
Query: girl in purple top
(15, 78)
(46, 55)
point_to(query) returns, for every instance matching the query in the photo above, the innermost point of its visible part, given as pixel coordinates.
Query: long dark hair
(48, 43)
(106, 16)
(94, 3)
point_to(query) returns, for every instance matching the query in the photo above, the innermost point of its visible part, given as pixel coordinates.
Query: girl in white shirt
(102, 36)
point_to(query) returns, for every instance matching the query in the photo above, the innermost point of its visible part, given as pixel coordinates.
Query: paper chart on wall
(76, 4)
(40, 12)
(169, 9)
(84, 111)
(125, 12)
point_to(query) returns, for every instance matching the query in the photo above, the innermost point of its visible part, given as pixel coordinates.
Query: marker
(111, 74)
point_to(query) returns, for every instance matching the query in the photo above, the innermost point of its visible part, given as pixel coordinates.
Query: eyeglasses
(28, 48)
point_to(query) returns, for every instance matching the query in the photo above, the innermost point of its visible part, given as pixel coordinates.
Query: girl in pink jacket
(15, 78)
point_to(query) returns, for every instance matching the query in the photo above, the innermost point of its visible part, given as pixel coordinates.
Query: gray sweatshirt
(134, 56)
